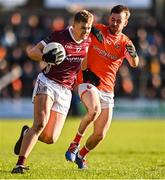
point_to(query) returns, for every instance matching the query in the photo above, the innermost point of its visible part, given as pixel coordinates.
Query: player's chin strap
(97, 33)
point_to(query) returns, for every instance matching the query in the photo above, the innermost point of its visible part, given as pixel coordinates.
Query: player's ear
(73, 24)
(126, 22)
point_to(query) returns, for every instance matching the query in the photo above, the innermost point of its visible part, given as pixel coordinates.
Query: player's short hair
(83, 16)
(120, 8)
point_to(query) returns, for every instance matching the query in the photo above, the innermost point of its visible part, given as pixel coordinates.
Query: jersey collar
(71, 34)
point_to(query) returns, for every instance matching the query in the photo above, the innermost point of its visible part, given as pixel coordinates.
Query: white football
(58, 46)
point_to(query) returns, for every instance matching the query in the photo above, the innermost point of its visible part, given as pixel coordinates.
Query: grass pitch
(131, 150)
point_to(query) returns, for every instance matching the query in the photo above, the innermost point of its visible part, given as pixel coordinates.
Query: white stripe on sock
(80, 134)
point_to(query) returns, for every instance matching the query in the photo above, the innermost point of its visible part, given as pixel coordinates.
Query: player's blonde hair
(83, 16)
(120, 8)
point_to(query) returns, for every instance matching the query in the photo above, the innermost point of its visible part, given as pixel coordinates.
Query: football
(59, 47)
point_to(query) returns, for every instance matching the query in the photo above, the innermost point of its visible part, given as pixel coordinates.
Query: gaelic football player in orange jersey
(96, 88)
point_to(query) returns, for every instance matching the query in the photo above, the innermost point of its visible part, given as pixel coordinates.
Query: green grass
(131, 150)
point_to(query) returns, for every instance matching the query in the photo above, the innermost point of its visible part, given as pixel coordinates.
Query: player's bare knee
(94, 113)
(39, 126)
(40, 122)
(91, 115)
(98, 110)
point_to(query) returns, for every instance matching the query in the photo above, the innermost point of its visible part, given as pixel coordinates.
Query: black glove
(131, 50)
(91, 77)
(97, 33)
(53, 57)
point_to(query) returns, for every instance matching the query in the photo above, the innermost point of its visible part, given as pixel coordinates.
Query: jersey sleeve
(49, 38)
(99, 27)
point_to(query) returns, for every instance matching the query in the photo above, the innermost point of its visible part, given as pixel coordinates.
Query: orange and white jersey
(104, 59)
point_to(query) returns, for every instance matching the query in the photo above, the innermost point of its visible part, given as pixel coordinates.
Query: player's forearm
(35, 53)
(84, 64)
(133, 61)
(131, 55)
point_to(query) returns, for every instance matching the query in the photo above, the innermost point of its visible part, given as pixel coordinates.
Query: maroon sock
(83, 151)
(77, 138)
(21, 160)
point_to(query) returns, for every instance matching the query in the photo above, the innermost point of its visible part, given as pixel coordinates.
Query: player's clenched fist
(53, 57)
(131, 50)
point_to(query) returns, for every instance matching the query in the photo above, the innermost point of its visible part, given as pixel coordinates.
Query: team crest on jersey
(108, 41)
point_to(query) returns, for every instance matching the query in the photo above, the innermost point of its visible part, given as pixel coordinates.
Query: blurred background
(138, 93)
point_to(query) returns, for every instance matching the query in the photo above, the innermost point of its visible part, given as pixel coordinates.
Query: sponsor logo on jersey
(76, 48)
(105, 53)
(70, 58)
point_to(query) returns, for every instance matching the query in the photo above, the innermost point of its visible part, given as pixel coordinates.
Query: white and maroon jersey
(66, 72)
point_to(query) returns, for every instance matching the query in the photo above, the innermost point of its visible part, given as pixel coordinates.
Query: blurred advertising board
(124, 108)
(139, 108)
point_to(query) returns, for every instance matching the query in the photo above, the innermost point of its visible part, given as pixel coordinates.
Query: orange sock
(77, 138)
(83, 151)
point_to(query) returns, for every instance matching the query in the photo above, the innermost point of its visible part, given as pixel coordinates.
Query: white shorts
(59, 94)
(106, 98)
